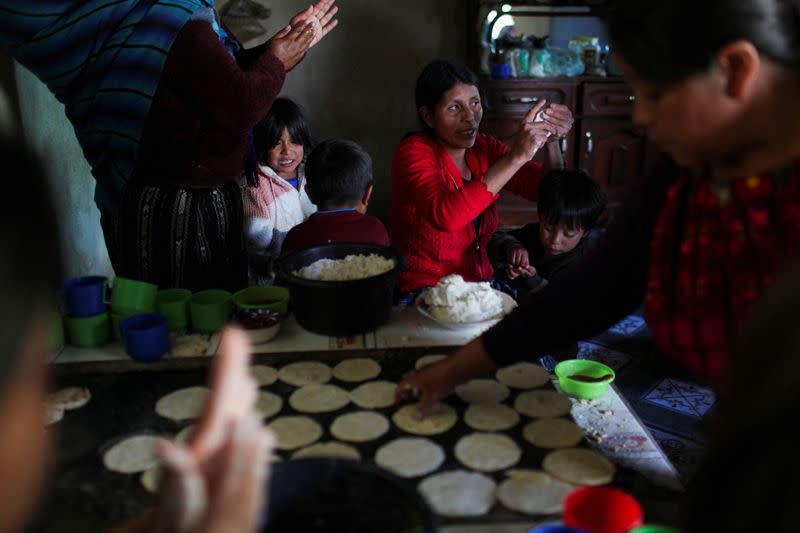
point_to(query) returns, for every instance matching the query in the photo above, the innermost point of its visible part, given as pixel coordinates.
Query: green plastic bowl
(655, 529)
(268, 297)
(581, 389)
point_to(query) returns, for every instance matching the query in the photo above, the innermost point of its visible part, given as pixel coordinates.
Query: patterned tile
(607, 356)
(548, 363)
(629, 325)
(684, 454)
(682, 397)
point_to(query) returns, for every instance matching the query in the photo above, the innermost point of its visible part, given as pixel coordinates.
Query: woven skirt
(179, 237)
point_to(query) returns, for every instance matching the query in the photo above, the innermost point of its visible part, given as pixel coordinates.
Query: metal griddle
(84, 496)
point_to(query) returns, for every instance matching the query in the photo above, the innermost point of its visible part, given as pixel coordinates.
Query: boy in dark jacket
(570, 202)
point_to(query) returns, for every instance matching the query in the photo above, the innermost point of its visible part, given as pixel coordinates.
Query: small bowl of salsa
(583, 378)
(261, 325)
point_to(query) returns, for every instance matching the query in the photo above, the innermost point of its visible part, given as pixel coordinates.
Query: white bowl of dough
(457, 304)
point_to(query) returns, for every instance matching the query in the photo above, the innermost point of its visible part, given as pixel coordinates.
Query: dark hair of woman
(437, 78)
(670, 40)
(284, 113)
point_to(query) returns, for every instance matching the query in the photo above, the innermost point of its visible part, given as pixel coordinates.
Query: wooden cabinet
(507, 102)
(604, 140)
(611, 148)
(607, 99)
(511, 98)
(611, 152)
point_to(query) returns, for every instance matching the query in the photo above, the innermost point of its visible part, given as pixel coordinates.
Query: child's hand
(519, 263)
(515, 272)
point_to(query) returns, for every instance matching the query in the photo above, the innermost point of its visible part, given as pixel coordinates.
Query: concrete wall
(359, 82)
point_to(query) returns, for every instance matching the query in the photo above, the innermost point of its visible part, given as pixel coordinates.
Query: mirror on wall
(549, 36)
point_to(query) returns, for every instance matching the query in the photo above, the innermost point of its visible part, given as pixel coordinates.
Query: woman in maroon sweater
(698, 246)
(180, 220)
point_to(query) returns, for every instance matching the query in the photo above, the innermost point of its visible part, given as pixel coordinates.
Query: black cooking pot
(337, 496)
(340, 308)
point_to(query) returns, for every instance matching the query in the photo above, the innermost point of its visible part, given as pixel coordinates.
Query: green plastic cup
(116, 318)
(57, 332)
(655, 528)
(174, 304)
(268, 297)
(88, 331)
(567, 370)
(210, 310)
(130, 297)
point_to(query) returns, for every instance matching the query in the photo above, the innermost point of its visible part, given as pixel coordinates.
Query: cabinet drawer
(515, 101)
(612, 151)
(610, 99)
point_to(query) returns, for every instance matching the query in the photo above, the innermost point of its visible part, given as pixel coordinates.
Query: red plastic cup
(602, 510)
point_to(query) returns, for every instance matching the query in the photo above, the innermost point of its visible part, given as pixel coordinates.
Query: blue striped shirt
(103, 60)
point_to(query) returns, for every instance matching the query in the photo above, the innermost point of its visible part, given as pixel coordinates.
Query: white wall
(49, 132)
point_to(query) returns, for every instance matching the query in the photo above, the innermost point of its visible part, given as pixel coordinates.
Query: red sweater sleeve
(527, 179)
(420, 177)
(201, 68)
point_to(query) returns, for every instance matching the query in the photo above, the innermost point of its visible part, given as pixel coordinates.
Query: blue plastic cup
(146, 336)
(85, 296)
(555, 528)
(501, 71)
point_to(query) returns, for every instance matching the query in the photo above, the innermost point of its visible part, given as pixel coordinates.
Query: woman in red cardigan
(445, 180)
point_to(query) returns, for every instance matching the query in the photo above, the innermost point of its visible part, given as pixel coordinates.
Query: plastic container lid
(602, 510)
(555, 528)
